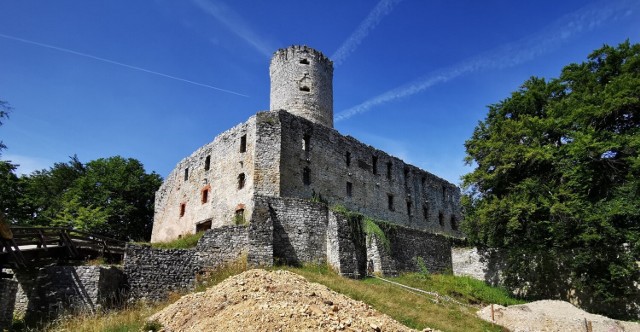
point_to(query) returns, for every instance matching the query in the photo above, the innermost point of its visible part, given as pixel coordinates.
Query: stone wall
(299, 231)
(217, 167)
(73, 289)
(409, 246)
(342, 170)
(485, 265)
(8, 290)
(346, 247)
(154, 273)
(379, 257)
(266, 175)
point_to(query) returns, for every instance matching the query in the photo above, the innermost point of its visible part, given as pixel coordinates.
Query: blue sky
(155, 80)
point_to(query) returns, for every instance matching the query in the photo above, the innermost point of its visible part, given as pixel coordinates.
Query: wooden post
(493, 317)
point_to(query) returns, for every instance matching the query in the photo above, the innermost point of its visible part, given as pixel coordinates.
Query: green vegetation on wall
(381, 230)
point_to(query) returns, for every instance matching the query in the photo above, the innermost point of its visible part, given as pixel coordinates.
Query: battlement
(295, 51)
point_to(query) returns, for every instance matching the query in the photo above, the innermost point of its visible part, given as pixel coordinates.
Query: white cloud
(509, 55)
(236, 24)
(27, 164)
(383, 8)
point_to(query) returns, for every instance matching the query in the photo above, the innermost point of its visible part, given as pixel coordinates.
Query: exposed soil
(550, 315)
(258, 300)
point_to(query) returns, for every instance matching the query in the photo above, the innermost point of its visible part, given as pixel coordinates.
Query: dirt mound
(258, 300)
(550, 315)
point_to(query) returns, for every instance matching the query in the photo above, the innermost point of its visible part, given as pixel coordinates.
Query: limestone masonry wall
(433, 249)
(346, 251)
(485, 265)
(224, 170)
(153, 273)
(72, 289)
(286, 230)
(8, 290)
(345, 171)
(299, 231)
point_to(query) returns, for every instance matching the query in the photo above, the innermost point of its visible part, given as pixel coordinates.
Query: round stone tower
(302, 84)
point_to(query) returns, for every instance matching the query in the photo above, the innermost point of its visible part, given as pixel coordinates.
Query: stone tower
(302, 84)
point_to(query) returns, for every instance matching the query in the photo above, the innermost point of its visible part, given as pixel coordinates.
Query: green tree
(5, 109)
(10, 190)
(43, 191)
(120, 188)
(10, 187)
(111, 196)
(557, 183)
(78, 216)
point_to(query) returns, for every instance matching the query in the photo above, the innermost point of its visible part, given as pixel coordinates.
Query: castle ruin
(290, 158)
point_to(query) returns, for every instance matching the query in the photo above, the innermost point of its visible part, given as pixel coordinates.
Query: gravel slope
(548, 315)
(258, 300)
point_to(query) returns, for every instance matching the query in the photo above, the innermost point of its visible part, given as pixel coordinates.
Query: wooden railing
(43, 242)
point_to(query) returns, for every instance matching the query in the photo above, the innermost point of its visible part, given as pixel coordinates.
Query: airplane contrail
(582, 20)
(383, 8)
(66, 50)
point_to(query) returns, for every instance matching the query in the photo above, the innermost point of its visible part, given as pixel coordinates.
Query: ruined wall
(299, 230)
(433, 249)
(180, 203)
(419, 199)
(153, 273)
(73, 289)
(266, 174)
(8, 290)
(379, 257)
(486, 265)
(346, 251)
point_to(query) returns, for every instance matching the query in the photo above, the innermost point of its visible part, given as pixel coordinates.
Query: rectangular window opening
(238, 217)
(183, 209)
(186, 174)
(349, 189)
(441, 219)
(390, 202)
(205, 195)
(306, 176)
(241, 180)
(374, 162)
(306, 141)
(444, 193)
(207, 163)
(203, 226)
(454, 223)
(406, 176)
(243, 143)
(348, 158)
(409, 209)
(425, 212)
(389, 167)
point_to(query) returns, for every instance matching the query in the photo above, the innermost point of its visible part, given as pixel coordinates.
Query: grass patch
(132, 318)
(415, 310)
(212, 277)
(185, 242)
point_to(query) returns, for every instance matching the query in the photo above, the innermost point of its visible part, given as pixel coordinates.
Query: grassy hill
(451, 309)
